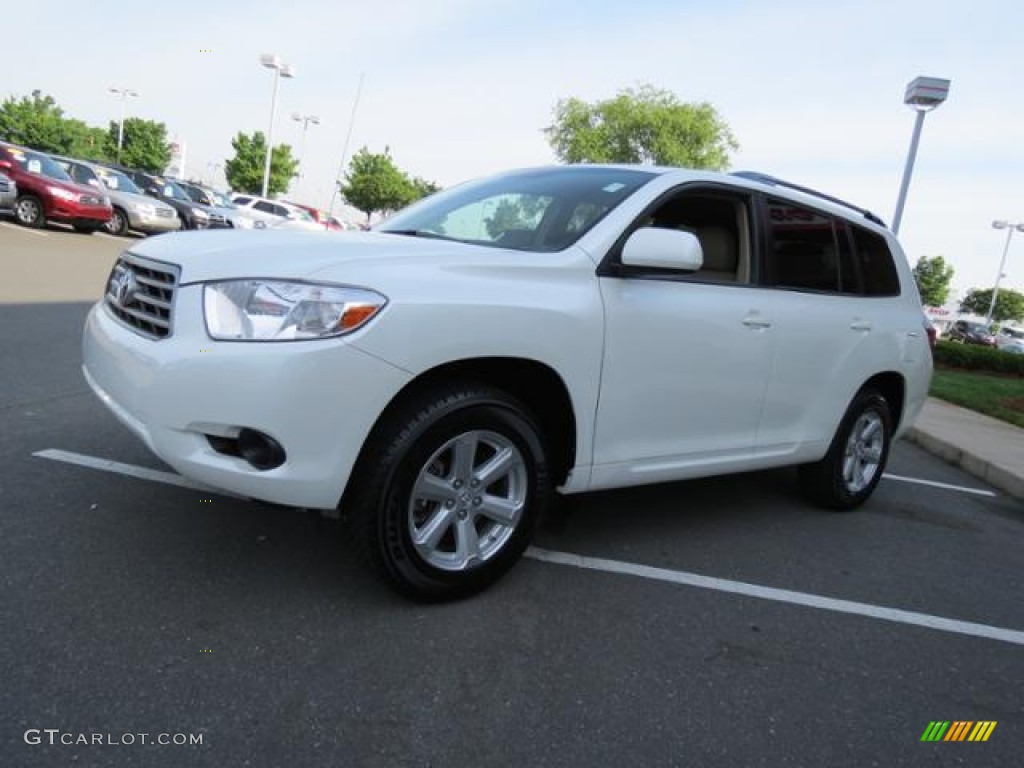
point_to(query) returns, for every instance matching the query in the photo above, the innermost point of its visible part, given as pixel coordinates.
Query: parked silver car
(132, 209)
(8, 192)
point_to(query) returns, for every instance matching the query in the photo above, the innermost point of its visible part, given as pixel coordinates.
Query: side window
(721, 223)
(808, 250)
(240, 200)
(265, 207)
(876, 263)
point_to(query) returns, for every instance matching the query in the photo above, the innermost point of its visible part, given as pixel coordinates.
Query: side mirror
(663, 249)
(152, 191)
(94, 183)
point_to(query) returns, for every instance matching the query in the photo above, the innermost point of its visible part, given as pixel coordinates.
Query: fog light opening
(262, 451)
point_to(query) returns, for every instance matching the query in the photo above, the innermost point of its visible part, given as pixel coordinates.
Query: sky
(458, 89)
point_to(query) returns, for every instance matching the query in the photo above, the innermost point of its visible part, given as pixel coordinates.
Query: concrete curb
(1009, 482)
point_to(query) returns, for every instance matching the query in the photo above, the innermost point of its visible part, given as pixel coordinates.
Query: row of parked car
(90, 196)
(1007, 338)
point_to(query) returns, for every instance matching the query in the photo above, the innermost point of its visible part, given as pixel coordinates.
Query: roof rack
(764, 178)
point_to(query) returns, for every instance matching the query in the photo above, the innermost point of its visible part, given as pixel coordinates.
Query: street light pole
(923, 94)
(273, 61)
(123, 94)
(305, 120)
(1009, 227)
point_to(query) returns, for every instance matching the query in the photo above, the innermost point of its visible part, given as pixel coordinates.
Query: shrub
(973, 357)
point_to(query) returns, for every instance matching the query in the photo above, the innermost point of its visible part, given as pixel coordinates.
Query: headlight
(199, 213)
(274, 310)
(63, 194)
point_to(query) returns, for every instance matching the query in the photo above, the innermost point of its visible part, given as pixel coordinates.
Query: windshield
(170, 189)
(33, 162)
(119, 182)
(539, 210)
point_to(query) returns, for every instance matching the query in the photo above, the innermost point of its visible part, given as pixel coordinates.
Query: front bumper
(318, 399)
(152, 224)
(76, 213)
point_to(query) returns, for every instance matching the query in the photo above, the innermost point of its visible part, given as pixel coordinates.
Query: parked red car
(320, 217)
(46, 192)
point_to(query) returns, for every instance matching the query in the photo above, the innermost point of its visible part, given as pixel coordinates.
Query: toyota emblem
(123, 287)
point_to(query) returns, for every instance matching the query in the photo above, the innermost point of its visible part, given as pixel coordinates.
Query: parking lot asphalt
(134, 606)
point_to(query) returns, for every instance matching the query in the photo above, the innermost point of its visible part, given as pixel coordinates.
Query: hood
(290, 254)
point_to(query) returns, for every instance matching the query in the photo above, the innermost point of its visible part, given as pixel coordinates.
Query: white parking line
(947, 486)
(143, 473)
(940, 623)
(26, 230)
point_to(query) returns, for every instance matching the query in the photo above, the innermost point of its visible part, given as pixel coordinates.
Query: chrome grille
(89, 200)
(140, 293)
(5, 185)
(167, 213)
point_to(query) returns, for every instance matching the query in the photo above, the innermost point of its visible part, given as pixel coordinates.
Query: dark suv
(193, 215)
(971, 333)
(46, 192)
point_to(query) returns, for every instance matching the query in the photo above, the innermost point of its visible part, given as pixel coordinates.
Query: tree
(933, 276)
(641, 125)
(145, 144)
(1009, 304)
(374, 183)
(37, 122)
(244, 171)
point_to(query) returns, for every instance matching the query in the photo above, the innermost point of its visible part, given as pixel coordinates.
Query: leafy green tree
(1009, 304)
(374, 183)
(145, 144)
(244, 171)
(423, 188)
(37, 122)
(641, 125)
(933, 276)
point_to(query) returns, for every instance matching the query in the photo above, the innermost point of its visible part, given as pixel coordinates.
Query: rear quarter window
(876, 263)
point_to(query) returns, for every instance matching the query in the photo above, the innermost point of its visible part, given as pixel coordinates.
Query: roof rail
(764, 178)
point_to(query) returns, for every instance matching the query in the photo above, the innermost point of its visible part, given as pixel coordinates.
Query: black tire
(415, 447)
(29, 211)
(118, 224)
(839, 480)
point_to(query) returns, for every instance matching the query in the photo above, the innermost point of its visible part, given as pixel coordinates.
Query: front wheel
(118, 223)
(29, 212)
(447, 492)
(855, 461)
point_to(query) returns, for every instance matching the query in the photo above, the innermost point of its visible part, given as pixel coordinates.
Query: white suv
(276, 214)
(571, 328)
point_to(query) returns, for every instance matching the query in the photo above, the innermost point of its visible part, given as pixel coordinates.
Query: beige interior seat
(721, 254)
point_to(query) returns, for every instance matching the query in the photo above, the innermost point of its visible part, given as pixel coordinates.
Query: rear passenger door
(825, 323)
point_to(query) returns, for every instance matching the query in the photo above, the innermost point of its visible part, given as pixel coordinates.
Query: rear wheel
(447, 493)
(855, 461)
(29, 211)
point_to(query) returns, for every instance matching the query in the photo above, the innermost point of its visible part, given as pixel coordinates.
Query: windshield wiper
(420, 233)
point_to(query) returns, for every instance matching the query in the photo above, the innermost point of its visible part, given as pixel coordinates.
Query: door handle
(754, 320)
(860, 325)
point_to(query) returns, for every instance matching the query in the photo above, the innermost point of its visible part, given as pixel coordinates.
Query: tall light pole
(273, 61)
(305, 120)
(124, 94)
(923, 94)
(1009, 227)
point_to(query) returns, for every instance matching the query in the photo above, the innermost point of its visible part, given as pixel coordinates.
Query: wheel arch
(893, 387)
(538, 386)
